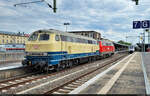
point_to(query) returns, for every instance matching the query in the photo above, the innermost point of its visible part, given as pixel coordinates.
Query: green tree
(122, 42)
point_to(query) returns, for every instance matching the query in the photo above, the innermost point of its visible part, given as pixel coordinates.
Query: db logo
(36, 46)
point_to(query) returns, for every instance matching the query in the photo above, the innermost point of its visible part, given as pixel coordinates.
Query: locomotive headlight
(44, 54)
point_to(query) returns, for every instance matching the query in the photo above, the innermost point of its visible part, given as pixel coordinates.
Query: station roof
(120, 44)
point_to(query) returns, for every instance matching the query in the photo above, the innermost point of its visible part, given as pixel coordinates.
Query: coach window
(44, 37)
(86, 41)
(68, 39)
(80, 41)
(90, 41)
(71, 39)
(57, 38)
(3, 41)
(94, 42)
(62, 38)
(75, 40)
(103, 43)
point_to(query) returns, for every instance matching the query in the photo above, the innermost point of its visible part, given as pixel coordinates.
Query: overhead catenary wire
(28, 2)
(54, 5)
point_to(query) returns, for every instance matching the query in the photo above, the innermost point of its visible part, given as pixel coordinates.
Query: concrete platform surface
(10, 65)
(146, 61)
(125, 78)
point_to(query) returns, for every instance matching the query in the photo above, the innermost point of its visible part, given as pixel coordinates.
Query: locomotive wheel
(76, 62)
(90, 59)
(58, 67)
(70, 63)
(67, 64)
(63, 66)
(94, 58)
(46, 69)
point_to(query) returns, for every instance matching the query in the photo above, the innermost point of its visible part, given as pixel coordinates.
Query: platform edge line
(106, 88)
(145, 76)
(91, 81)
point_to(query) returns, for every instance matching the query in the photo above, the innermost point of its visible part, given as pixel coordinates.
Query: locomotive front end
(37, 48)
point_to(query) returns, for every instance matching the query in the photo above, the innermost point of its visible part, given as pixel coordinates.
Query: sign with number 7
(141, 24)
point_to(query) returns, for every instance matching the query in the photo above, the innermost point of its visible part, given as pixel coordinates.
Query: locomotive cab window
(44, 37)
(33, 37)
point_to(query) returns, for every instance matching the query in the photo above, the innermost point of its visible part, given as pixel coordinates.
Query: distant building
(92, 34)
(13, 38)
(106, 39)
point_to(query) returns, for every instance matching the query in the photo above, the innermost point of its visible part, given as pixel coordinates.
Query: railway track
(12, 73)
(19, 85)
(76, 82)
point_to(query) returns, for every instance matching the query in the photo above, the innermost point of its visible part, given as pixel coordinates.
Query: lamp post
(66, 25)
(126, 38)
(136, 2)
(143, 41)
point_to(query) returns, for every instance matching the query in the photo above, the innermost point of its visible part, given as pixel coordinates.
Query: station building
(13, 38)
(92, 34)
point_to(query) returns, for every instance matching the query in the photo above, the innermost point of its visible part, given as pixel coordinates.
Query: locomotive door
(58, 43)
(63, 43)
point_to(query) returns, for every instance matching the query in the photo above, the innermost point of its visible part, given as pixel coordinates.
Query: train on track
(54, 50)
(131, 49)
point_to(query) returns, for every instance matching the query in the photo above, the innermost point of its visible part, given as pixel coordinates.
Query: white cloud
(113, 18)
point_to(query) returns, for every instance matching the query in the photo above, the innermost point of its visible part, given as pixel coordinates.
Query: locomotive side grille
(36, 53)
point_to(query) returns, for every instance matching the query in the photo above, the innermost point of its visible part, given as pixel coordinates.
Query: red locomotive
(106, 48)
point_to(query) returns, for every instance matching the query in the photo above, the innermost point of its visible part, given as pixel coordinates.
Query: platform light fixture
(66, 24)
(136, 2)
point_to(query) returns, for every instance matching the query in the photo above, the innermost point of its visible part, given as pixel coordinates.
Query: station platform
(7, 66)
(131, 75)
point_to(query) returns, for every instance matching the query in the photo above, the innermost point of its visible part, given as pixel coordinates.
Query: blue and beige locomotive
(53, 49)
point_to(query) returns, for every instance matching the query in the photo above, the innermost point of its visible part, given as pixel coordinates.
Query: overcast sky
(112, 18)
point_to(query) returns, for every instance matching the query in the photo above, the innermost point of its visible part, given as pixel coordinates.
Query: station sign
(141, 24)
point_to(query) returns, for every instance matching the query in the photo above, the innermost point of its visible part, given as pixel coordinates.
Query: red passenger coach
(106, 48)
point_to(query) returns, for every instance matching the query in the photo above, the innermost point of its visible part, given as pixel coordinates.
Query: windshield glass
(33, 37)
(131, 47)
(44, 37)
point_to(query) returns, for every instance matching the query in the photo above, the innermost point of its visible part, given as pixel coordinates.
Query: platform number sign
(136, 24)
(141, 24)
(146, 24)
